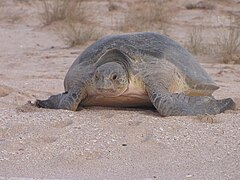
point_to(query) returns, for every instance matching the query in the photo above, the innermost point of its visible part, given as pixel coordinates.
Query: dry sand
(102, 143)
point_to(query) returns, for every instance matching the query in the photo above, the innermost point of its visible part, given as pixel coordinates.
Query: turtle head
(111, 79)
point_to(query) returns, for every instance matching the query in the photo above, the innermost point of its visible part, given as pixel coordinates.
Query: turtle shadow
(151, 112)
(148, 111)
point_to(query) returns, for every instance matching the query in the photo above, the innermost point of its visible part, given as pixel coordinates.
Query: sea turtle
(139, 69)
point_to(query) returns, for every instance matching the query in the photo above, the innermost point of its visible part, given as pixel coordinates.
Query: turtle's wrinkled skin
(135, 70)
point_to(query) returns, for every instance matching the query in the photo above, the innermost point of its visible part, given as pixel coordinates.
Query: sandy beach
(102, 142)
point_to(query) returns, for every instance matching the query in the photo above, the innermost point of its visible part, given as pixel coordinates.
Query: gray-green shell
(140, 46)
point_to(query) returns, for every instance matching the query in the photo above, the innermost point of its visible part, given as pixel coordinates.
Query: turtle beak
(105, 85)
(108, 85)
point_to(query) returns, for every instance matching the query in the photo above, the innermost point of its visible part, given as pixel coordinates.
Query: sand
(99, 142)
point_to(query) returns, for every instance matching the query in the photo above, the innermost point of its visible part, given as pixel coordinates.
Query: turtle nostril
(114, 77)
(97, 77)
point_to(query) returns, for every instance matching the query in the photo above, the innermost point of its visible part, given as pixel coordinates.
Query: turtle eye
(114, 76)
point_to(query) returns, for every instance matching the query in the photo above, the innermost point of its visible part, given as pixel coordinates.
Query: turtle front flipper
(51, 103)
(179, 104)
(68, 100)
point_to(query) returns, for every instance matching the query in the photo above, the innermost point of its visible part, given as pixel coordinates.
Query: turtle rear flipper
(201, 89)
